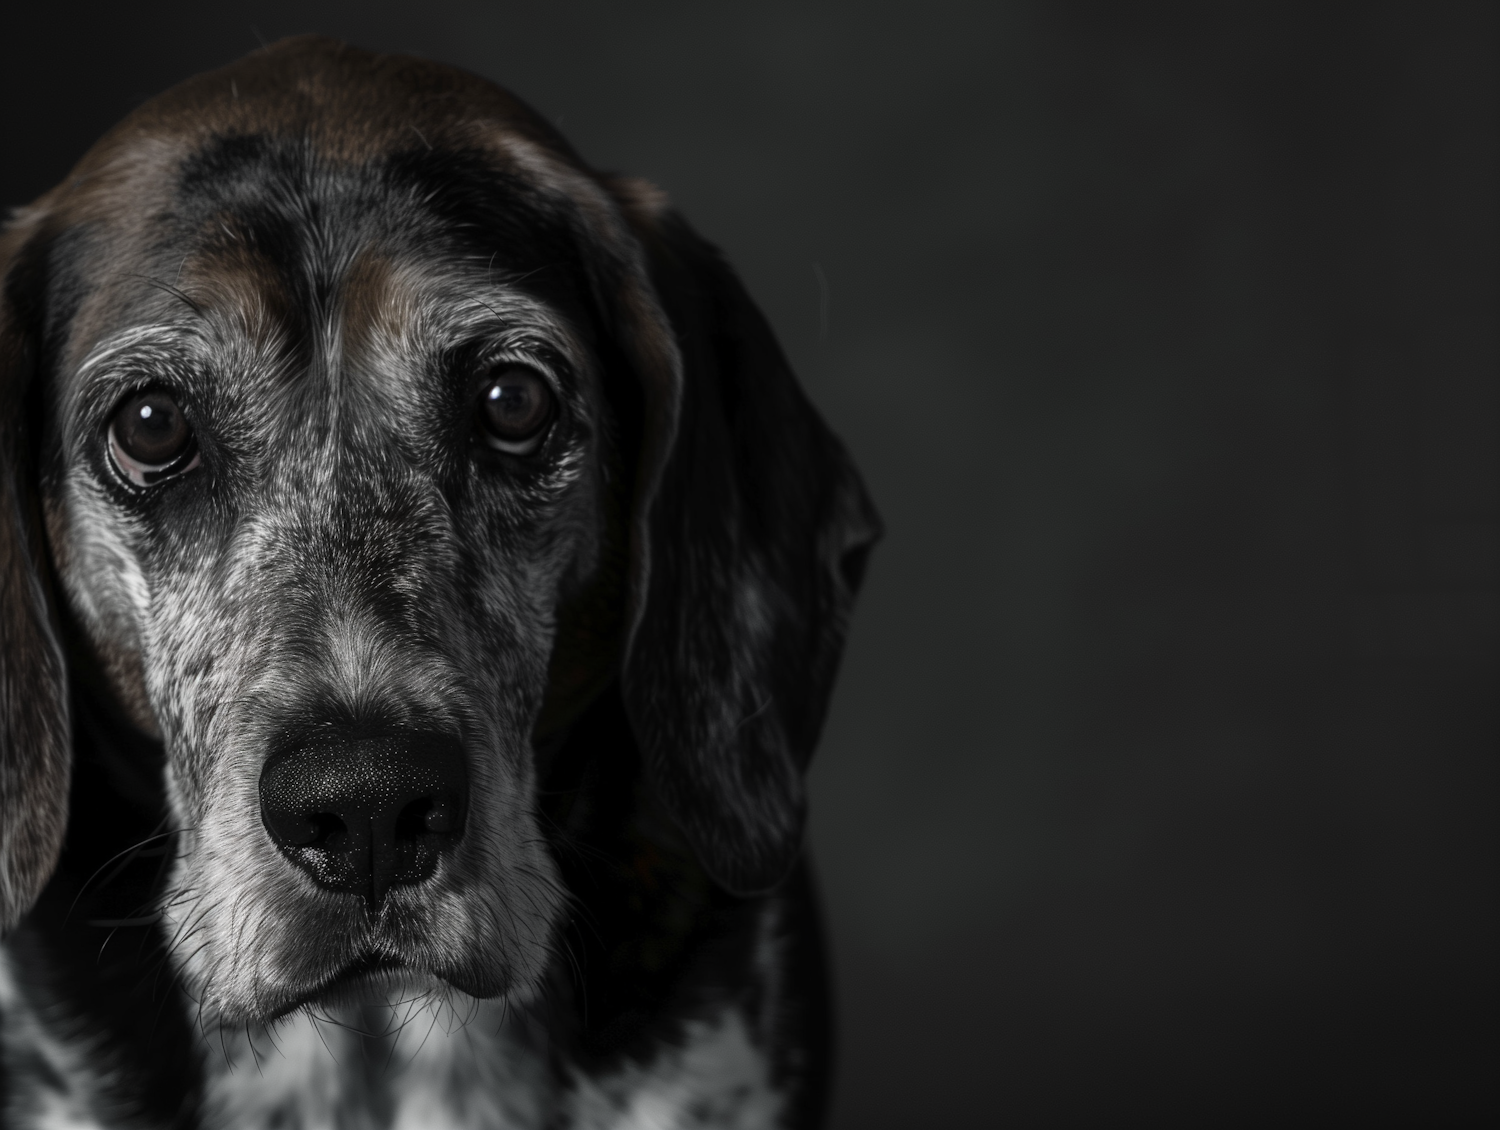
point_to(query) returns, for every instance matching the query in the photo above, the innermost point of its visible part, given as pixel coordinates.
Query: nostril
(328, 832)
(413, 819)
(312, 829)
(437, 815)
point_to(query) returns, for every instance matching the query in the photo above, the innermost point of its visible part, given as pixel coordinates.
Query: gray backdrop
(1160, 778)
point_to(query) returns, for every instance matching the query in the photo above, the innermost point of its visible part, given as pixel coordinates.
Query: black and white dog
(423, 584)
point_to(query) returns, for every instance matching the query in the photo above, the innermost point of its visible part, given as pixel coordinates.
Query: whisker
(131, 851)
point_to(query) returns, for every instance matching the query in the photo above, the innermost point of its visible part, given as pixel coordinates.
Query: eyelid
(547, 369)
(528, 447)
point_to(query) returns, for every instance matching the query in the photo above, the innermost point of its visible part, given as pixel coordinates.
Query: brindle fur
(633, 634)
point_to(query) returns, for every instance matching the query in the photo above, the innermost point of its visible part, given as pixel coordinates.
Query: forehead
(285, 239)
(311, 213)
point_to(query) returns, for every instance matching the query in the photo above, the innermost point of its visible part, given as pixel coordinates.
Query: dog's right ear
(35, 751)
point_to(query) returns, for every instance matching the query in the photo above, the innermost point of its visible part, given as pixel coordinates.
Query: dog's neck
(402, 1060)
(411, 1062)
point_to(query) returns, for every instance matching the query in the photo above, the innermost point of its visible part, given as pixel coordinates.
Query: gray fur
(323, 299)
(271, 615)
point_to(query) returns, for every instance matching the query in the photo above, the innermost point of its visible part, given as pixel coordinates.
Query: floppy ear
(748, 549)
(35, 753)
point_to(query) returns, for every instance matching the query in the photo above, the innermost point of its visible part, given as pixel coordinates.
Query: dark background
(1160, 782)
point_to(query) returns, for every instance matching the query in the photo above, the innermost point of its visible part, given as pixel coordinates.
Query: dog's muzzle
(361, 814)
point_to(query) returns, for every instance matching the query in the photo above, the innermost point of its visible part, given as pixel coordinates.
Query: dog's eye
(515, 409)
(149, 437)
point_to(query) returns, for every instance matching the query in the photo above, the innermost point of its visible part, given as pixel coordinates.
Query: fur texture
(321, 256)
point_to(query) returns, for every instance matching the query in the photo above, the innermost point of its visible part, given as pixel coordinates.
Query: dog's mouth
(370, 967)
(366, 976)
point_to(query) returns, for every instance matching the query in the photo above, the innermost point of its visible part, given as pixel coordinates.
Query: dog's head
(364, 434)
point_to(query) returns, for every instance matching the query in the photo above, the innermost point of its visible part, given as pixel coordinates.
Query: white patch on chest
(717, 1078)
(397, 1065)
(471, 1072)
(65, 1101)
(295, 1076)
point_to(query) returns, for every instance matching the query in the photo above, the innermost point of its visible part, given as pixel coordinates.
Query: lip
(350, 983)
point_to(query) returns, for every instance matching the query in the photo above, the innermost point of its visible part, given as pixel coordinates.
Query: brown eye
(515, 408)
(149, 437)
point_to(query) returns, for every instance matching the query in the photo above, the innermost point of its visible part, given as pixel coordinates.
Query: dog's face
(327, 463)
(356, 436)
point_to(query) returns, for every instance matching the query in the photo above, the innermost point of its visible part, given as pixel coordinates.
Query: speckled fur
(632, 634)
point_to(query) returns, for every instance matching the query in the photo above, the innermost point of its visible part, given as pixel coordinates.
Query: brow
(443, 307)
(154, 342)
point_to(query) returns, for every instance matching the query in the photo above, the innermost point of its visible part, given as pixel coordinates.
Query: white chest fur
(479, 1069)
(414, 1065)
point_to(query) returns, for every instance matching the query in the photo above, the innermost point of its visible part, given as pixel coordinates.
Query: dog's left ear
(35, 755)
(749, 544)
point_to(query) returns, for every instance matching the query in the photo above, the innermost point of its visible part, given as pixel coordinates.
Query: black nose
(360, 814)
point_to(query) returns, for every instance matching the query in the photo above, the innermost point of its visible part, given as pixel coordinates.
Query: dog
(424, 580)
